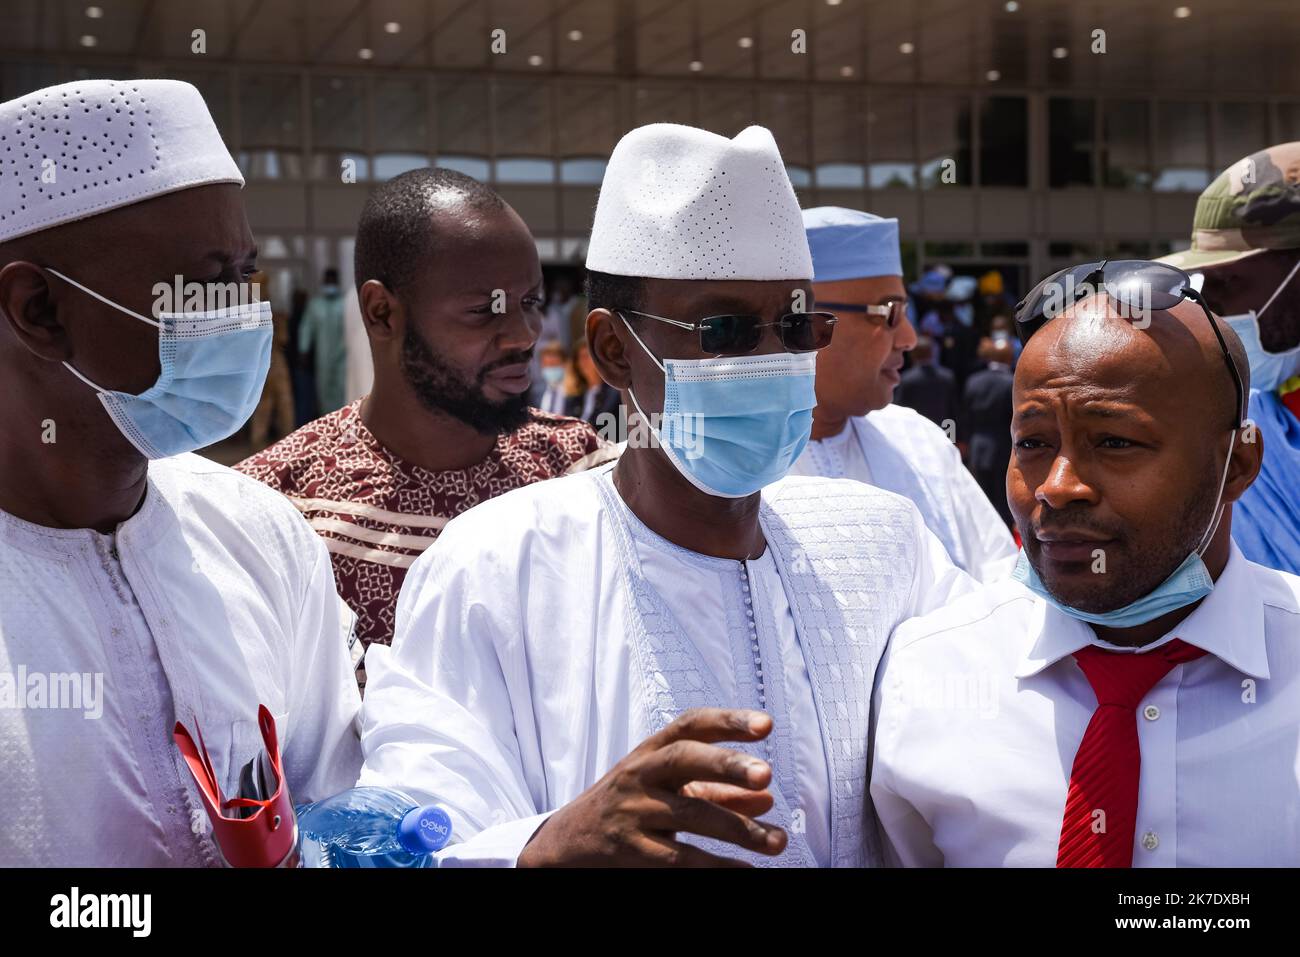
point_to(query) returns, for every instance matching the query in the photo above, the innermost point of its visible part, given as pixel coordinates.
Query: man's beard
(442, 389)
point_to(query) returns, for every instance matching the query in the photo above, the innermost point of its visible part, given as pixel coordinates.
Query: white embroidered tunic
(215, 597)
(548, 632)
(900, 450)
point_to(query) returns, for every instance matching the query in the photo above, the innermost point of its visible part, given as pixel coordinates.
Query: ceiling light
(365, 53)
(88, 41)
(1182, 13)
(846, 71)
(94, 12)
(1060, 53)
(745, 42)
(535, 60)
(906, 47)
(696, 66)
(575, 35)
(392, 26)
(1012, 6)
(993, 76)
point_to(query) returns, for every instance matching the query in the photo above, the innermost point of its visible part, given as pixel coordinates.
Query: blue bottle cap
(424, 829)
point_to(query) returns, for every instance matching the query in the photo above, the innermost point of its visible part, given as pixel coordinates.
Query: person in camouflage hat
(1245, 255)
(1246, 243)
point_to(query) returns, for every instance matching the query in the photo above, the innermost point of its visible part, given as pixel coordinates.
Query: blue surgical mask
(732, 425)
(553, 375)
(213, 366)
(1190, 582)
(1268, 370)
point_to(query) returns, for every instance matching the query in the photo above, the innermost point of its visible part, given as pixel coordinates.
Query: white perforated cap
(77, 149)
(683, 203)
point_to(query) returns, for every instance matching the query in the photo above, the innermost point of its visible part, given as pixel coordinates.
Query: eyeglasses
(740, 335)
(1136, 284)
(889, 314)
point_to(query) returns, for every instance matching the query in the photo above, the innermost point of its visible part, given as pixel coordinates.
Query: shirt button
(1150, 841)
(1150, 712)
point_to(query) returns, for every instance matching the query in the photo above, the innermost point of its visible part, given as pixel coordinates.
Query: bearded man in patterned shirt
(450, 288)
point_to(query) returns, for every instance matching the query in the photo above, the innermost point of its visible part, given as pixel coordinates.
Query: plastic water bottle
(371, 827)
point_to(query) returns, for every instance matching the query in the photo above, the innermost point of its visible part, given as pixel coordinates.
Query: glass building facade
(1020, 135)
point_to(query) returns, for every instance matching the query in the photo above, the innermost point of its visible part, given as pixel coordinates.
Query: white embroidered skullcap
(104, 144)
(682, 203)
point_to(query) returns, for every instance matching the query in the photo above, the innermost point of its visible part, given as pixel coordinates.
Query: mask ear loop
(1220, 506)
(1277, 291)
(636, 404)
(642, 345)
(107, 302)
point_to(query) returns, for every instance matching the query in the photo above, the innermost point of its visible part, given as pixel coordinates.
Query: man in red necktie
(1132, 696)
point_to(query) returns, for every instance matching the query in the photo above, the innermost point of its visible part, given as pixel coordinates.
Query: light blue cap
(849, 244)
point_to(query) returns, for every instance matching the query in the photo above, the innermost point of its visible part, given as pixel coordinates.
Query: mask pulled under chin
(1189, 583)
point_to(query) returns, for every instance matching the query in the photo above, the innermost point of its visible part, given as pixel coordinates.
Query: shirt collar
(1228, 623)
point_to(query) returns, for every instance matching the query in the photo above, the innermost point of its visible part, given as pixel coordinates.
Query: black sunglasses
(740, 335)
(1135, 284)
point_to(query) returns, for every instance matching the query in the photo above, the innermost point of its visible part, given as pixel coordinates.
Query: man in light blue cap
(856, 432)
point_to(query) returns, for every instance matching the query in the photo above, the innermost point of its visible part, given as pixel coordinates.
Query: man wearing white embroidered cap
(857, 432)
(179, 588)
(571, 657)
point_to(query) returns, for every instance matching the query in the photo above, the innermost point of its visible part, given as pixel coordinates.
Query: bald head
(1121, 436)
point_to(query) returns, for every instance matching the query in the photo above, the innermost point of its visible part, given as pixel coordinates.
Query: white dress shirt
(521, 670)
(215, 597)
(980, 709)
(901, 451)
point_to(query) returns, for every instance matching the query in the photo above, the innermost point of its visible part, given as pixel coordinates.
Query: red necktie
(1101, 808)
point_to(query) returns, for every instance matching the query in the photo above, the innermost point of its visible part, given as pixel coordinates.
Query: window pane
(727, 110)
(1182, 138)
(1004, 139)
(1070, 159)
(891, 122)
(945, 141)
(462, 116)
(525, 170)
(522, 118)
(268, 111)
(401, 116)
(785, 113)
(338, 113)
(588, 119)
(837, 140)
(665, 104)
(1243, 129)
(582, 172)
(1124, 144)
(1288, 122)
(388, 165)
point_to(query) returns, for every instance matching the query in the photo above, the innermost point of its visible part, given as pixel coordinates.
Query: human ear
(607, 350)
(27, 304)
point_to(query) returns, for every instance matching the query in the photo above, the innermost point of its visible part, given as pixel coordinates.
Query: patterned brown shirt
(377, 512)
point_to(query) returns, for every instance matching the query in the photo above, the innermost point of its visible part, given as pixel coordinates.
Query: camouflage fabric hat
(1253, 205)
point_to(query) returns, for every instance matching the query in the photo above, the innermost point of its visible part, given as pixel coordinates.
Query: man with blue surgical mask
(1131, 697)
(633, 665)
(141, 585)
(1245, 258)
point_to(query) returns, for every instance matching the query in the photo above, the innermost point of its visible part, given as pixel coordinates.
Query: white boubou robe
(214, 597)
(900, 450)
(548, 632)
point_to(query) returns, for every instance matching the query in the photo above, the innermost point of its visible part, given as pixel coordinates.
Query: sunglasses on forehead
(740, 335)
(1139, 286)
